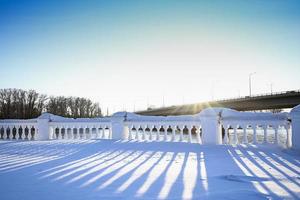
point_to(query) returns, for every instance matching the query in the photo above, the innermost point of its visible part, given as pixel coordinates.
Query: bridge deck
(280, 100)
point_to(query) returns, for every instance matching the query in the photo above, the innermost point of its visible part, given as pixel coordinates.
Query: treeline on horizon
(26, 104)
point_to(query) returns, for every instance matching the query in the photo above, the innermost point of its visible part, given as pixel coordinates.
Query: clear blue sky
(126, 53)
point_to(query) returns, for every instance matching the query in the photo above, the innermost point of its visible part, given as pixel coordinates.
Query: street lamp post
(250, 75)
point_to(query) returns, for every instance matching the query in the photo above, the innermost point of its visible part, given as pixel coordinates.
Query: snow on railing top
(131, 117)
(14, 121)
(56, 118)
(233, 114)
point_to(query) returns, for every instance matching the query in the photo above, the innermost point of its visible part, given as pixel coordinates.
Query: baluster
(71, 133)
(199, 136)
(129, 132)
(17, 133)
(245, 139)
(109, 132)
(276, 141)
(63, 133)
(136, 132)
(173, 133)
(144, 132)
(265, 135)
(60, 133)
(151, 132)
(90, 136)
(165, 132)
(98, 132)
(288, 136)
(29, 133)
(7, 135)
(78, 133)
(226, 136)
(23, 133)
(190, 134)
(85, 134)
(157, 133)
(254, 135)
(235, 137)
(34, 132)
(181, 134)
(103, 131)
(1, 132)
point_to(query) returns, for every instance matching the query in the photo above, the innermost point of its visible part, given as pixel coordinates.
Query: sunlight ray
(189, 176)
(203, 172)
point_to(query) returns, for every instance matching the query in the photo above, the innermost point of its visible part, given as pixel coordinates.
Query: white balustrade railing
(18, 129)
(211, 126)
(157, 128)
(246, 127)
(164, 131)
(80, 130)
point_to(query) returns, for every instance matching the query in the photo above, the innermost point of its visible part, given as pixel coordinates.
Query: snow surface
(108, 169)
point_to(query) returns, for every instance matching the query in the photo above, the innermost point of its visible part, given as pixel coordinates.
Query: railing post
(42, 129)
(211, 126)
(288, 136)
(295, 116)
(118, 130)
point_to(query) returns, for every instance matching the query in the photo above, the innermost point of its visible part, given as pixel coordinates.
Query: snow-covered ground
(107, 169)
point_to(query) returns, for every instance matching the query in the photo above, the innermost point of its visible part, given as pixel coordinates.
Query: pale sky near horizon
(126, 53)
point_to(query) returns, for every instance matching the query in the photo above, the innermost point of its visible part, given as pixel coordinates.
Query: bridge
(280, 100)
